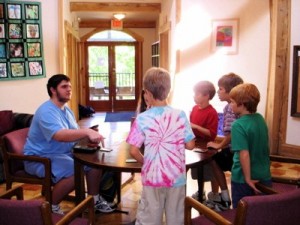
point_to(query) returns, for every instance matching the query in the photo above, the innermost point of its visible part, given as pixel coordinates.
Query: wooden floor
(130, 191)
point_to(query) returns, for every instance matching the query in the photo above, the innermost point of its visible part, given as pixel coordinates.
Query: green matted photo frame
(21, 41)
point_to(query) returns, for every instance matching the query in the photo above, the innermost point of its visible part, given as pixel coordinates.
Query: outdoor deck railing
(122, 79)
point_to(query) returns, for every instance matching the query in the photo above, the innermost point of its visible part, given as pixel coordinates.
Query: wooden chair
(38, 212)
(13, 157)
(275, 209)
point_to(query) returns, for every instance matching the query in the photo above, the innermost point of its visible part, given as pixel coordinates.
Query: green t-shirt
(250, 132)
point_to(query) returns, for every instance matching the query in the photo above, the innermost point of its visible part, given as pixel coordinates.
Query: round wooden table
(115, 160)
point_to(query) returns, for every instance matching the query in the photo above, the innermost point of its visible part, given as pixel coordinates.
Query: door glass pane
(111, 35)
(98, 73)
(125, 72)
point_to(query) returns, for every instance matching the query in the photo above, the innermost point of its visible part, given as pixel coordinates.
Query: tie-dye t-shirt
(164, 132)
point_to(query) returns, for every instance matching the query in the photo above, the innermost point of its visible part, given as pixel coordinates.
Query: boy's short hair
(247, 95)
(229, 81)
(205, 88)
(54, 81)
(157, 81)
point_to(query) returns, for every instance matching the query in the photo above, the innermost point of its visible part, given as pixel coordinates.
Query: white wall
(192, 36)
(26, 95)
(293, 123)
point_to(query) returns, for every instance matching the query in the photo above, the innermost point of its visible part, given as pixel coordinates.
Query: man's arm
(71, 135)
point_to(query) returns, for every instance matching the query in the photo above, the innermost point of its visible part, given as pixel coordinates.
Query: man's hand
(94, 137)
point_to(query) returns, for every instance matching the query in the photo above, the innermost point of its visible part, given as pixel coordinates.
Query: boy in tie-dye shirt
(165, 133)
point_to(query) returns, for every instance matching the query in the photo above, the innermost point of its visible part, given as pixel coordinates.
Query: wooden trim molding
(100, 23)
(290, 151)
(178, 11)
(114, 7)
(136, 36)
(278, 83)
(70, 29)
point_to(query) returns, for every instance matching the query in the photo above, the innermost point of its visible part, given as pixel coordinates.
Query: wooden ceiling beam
(114, 7)
(97, 23)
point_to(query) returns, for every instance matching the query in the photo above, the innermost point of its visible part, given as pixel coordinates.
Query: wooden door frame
(139, 59)
(112, 104)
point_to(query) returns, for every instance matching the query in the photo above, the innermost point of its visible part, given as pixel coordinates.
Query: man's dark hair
(54, 81)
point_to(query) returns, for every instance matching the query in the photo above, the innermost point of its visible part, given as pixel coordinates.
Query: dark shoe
(222, 205)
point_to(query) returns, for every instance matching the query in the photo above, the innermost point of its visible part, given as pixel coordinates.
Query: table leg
(118, 179)
(200, 182)
(79, 182)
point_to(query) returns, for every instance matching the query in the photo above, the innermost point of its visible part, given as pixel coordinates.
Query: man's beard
(61, 99)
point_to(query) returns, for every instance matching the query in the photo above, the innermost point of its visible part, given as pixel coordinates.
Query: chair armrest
(205, 211)
(32, 158)
(87, 203)
(265, 189)
(45, 161)
(15, 191)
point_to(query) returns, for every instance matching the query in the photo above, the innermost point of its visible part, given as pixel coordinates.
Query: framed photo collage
(21, 46)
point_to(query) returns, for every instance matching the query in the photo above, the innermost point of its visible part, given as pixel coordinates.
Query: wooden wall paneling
(278, 83)
(71, 64)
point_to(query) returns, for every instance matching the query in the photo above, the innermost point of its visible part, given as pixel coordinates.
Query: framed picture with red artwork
(224, 36)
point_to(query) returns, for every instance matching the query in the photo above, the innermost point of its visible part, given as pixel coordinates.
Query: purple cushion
(274, 209)
(14, 142)
(281, 187)
(20, 212)
(6, 121)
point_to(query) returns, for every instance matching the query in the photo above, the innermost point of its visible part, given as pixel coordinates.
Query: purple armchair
(38, 212)
(275, 209)
(13, 159)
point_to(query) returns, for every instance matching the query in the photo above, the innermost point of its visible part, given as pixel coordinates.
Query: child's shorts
(224, 159)
(207, 173)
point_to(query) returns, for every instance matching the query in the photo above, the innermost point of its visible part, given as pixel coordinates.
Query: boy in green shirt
(249, 142)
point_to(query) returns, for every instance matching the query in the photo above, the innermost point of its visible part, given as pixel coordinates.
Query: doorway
(111, 75)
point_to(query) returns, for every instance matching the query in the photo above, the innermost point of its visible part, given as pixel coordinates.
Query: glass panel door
(112, 77)
(125, 76)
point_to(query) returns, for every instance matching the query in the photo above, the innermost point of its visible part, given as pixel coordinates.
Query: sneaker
(102, 206)
(196, 196)
(209, 204)
(111, 204)
(214, 197)
(56, 209)
(222, 204)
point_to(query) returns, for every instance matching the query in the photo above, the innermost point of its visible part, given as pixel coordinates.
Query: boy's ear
(207, 96)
